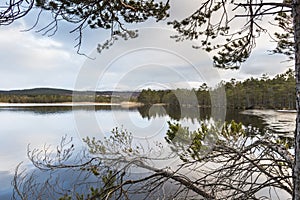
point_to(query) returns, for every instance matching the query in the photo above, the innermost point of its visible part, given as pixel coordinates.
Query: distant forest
(263, 92)
(52, 95)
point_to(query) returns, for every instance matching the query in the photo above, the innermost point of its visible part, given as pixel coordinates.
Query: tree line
(263, 92)
(44, 98)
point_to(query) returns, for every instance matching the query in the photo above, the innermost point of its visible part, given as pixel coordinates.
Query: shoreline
(122, 104)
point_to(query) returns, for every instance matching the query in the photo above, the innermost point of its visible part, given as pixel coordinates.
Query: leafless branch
(236, 167)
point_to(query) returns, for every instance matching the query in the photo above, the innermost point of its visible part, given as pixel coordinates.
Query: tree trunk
(296, 168)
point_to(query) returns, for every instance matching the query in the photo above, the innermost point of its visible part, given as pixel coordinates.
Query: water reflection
(5, 185)
(194, 114)
(39, 125)
(44, 110)
(259, 119)
(197, 114)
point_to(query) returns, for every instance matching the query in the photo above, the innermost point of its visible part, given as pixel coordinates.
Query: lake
(40, 125)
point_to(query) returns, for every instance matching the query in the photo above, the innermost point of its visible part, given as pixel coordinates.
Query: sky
(30, 59)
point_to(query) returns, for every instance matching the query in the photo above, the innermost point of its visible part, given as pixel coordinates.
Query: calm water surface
(40, 125)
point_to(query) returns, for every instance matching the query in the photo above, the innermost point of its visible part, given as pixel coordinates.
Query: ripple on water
(277, 121)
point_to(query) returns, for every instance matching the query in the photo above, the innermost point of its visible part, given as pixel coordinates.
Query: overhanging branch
(282, 5)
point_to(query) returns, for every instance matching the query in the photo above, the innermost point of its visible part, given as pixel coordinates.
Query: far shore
(122, 104)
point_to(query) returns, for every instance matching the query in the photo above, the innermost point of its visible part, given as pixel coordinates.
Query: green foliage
(109, 182)
(170, 98)
(7, 98)
(102, 14)
(231, 46)
(285, 39)
(103, 192)
(210, 22)
(94, 145)
(35, 98)
(107, 15)
(232, 131)
(234, 155)
(149, 97)
(190, 144)
(264, 92)
(177, 133)
(195, 144)
(120, 141)
(66, 197)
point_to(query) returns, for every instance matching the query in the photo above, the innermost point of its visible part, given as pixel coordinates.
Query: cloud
(260, 62)
(30, 52)
(153, 58)
(28, 60)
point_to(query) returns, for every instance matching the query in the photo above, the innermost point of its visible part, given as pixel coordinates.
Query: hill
(55, 95)
(37, 91)
(65, 92)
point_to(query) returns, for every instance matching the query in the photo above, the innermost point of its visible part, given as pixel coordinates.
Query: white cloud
(29, 59)
(153, 57)
(31, 52)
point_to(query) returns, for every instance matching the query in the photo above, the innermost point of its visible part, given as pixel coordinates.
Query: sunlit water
(39, 126)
